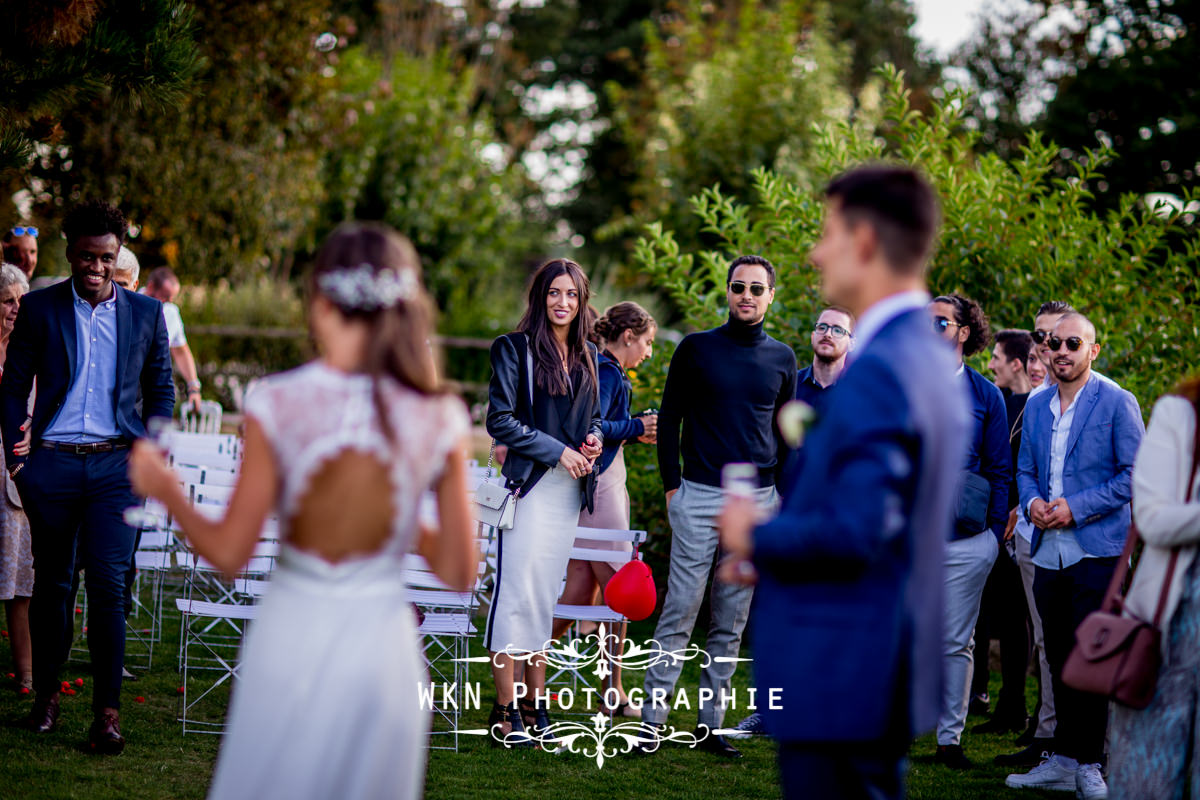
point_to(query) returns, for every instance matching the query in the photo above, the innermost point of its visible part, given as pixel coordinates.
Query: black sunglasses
(756, 289)
(941, 323)
(836, 331)
(1073, 343)
(1039, 336)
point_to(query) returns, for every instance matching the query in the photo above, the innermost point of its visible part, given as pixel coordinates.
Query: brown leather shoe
(43, 718)
(105, 736)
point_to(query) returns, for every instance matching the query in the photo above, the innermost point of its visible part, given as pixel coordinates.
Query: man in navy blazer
(848, 622)
(102, 367)
(1074, 475)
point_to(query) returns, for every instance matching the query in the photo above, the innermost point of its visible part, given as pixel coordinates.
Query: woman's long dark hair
(399, 342)
(547, 371)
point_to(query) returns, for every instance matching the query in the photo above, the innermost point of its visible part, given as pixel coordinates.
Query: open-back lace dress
(327, 703)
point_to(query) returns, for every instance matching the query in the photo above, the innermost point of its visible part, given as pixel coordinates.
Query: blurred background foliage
(649, 139)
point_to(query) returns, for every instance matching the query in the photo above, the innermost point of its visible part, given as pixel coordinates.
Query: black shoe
(542, 725)
(43, 718)
(980, 705)
(651, 740)
(516, 737)
(998, 724)
(1031, 756)
(1026, 738)
(712, 743)
(105, 736)
(951, 755)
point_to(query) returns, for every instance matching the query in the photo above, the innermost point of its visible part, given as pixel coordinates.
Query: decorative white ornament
(362, 288)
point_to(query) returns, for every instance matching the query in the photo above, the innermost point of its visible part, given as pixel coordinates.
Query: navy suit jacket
(42, 346)
(988, 453)
(1098, 467)
(848, 615)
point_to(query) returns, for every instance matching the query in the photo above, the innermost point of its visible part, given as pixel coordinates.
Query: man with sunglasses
(724, 388)
(848, 621)
(21, 248)
(1074, 472)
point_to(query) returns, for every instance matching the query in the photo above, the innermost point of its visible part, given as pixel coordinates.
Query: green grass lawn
(160, 762)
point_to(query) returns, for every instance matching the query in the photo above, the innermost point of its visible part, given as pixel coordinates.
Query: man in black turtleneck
(725, 387)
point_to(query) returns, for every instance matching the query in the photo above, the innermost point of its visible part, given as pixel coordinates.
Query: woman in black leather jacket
(542, 404)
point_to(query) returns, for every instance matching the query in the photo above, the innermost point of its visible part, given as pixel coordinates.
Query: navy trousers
(76, 506)
(842, 770)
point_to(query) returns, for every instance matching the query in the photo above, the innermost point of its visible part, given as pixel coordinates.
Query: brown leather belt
(90, 448)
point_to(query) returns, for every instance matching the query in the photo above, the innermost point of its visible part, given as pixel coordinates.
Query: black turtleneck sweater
(725, 386)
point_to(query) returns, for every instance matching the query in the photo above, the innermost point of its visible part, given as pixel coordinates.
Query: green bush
(226, 363)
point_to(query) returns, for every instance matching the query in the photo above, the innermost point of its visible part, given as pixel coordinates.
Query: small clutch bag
(495, 506)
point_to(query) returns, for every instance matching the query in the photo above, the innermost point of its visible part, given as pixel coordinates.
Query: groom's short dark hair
(897, 203)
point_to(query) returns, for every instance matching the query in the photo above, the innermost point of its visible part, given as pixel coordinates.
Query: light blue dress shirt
(1059, 548)
(88, 413)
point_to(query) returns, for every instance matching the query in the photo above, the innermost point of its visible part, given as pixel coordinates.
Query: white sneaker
(1056, 773)
(1089, 783)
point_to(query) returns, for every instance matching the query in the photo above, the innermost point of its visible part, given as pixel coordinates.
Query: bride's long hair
(371, 273)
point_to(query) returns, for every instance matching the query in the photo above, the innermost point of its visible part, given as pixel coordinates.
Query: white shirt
(879, 315)
(175, 335)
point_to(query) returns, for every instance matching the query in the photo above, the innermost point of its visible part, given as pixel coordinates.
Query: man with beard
(1074, 474)
(831, 338)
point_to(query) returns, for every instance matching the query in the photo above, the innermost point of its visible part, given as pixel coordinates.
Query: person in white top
(162, 284)
(343, 449)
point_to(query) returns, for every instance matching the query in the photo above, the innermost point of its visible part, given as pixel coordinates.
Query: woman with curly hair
(979, 520)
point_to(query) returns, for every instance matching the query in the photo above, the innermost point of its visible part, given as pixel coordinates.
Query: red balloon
(631, 591)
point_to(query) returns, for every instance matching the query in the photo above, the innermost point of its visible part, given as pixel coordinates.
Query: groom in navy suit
(100, 358)
(848, 622)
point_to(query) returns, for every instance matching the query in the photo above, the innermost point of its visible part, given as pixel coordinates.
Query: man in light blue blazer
(1074, 475)
(847, 629)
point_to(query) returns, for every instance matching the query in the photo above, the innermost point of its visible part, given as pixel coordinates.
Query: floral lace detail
(313, 413)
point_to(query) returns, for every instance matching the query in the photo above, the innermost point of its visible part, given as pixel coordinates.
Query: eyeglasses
(1039, 336)
(941, 323)
(1073, 343)
(756, 289)
(25, 232)
(836, 331)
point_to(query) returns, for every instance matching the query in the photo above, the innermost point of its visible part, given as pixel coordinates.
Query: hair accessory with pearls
(362, 288)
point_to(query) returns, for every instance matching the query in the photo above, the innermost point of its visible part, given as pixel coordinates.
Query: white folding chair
(207, 421)
(571, 674)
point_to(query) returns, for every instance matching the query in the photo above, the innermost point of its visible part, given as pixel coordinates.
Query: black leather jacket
(535, 440)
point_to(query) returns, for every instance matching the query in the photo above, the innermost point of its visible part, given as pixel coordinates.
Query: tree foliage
(57, 58)
(409, 150)
(1014, 234)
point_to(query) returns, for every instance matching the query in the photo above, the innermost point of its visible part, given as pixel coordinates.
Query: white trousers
(967, 565)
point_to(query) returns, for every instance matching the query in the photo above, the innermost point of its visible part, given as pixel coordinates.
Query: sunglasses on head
(836, 331)
(941, 323)
(19, 231)
(1073, 343)
(756, 289)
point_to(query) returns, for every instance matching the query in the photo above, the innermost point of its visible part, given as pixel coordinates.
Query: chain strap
(491, 455)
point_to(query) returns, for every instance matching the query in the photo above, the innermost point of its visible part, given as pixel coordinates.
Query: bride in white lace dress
(327, 702)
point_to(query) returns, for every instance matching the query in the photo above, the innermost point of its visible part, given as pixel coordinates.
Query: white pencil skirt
(530, 564)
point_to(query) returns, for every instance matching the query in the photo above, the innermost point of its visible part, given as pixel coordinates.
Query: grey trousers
(694, 544)
(1047, 721)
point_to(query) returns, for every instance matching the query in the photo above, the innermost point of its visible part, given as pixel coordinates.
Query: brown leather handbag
(1117, 656)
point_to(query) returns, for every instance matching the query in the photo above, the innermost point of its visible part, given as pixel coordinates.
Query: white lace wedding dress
(327, 704)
